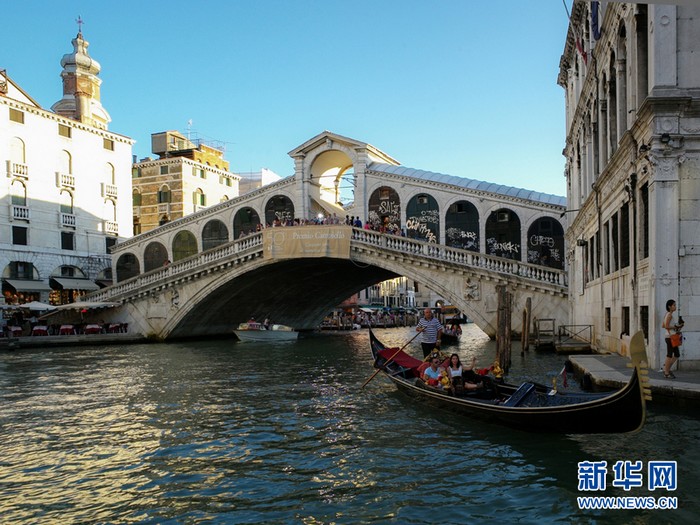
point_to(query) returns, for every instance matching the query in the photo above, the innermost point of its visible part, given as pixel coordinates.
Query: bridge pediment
(327, 141)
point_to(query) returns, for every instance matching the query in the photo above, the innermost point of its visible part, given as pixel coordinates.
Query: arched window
(462, 226)
(384, 209)
(279, 208)
(423, 218)
(215, 233)
(19, 193)
(17, 150)
(66, 202)
(154, 256)
(110, 210)
(184, 245)
(545, 243)
(109, 174)
(65, 163)
(164, 195)
(245, 221)
(199, 198)
(503, 234)
(136, 198)
(127, 267)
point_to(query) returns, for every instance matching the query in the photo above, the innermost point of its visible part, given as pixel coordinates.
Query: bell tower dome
(81, 86)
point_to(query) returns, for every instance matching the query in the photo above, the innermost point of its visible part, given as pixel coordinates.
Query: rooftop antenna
(189, 127)
(80, 23)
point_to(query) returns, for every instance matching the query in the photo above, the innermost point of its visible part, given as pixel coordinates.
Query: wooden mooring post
(525, 330)
(503, 342)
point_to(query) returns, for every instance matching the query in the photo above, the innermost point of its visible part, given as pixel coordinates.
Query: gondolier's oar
(389, 360)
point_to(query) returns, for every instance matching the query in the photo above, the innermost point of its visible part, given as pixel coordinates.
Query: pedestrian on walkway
(432, 331)
(672, 352)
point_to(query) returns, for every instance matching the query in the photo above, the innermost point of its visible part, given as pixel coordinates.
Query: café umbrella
(37, 306)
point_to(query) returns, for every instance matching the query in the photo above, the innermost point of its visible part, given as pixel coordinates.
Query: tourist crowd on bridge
(331, 220)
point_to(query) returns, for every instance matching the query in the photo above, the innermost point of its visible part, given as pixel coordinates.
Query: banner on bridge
(307, 241)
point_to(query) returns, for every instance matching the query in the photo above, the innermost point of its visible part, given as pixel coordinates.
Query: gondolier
(431, 330)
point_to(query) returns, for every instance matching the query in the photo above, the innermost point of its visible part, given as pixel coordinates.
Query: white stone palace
(631, 75)
(66, 189)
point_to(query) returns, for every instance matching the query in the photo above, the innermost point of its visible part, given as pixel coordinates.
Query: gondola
(528, 407)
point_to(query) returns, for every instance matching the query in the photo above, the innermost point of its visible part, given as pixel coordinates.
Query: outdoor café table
(14, 331)
(93, 329)
(40, 330)
(66, 329)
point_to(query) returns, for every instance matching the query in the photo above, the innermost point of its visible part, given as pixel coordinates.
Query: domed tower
(81, 87)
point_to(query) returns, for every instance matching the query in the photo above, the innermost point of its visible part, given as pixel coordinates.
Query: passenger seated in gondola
(463, 378)
(433, 374)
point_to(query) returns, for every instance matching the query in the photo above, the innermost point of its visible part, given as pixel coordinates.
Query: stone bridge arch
(209, 293)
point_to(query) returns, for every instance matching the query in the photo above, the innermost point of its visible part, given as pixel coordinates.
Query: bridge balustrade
(253, 244)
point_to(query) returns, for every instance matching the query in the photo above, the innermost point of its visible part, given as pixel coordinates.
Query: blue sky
(462, 87)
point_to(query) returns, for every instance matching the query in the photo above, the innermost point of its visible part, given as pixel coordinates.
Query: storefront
(66, 290)
(19, 291)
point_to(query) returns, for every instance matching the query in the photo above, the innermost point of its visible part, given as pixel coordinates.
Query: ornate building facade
(66, 188)
(631, 76)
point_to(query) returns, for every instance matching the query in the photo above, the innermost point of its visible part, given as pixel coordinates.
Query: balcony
(109, 190)
(111, 227)
(64, 180)
(17, 169)
(66, 220)
(164, 207)
(20, 213)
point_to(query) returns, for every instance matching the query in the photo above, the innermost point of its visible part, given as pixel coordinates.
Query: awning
(22, 285)
(75, 284)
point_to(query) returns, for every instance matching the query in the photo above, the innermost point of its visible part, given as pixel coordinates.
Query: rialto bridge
(253, 255)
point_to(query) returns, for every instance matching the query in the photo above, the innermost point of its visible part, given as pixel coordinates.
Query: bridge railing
(401, 245)
(249, 244)
(461, 257)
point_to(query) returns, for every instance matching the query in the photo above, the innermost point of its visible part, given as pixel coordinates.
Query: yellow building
(188, 176)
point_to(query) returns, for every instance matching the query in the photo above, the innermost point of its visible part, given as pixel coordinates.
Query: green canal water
(227, 432)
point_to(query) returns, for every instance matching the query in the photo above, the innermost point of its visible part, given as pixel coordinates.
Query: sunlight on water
(225, 432)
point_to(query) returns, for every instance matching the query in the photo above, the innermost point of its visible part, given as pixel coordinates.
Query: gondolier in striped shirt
(431, 330)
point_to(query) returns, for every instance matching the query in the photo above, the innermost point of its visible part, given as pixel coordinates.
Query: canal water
(227, 432)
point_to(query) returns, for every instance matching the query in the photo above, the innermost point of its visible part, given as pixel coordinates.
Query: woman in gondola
(461, 376)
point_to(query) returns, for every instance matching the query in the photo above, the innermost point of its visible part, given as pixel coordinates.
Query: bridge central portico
(204, 273)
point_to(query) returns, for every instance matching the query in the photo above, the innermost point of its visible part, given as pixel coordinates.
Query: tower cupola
(81, 86)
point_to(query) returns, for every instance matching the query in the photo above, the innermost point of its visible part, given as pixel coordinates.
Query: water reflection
(224, 432)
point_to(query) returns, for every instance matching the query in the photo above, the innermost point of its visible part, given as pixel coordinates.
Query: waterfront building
(66, 191)
(631, 76)
(189, 175)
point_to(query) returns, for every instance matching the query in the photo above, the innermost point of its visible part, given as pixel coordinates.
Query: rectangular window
(625, 236)
(110, 242)
(606, 254)
(615, 240)
(164, 170)
(644, 320)
(108, 144)
(163, 196)
(64, 131)
(19, 235)
(607, 319)
(644, 221)
(67, 241)
(135, 173)
(16, 116)
(67, 271)
(626, 320)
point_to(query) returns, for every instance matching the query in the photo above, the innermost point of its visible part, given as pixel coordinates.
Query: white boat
(257, 332)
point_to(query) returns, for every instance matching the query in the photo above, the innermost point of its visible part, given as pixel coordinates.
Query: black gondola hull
(613, 412)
